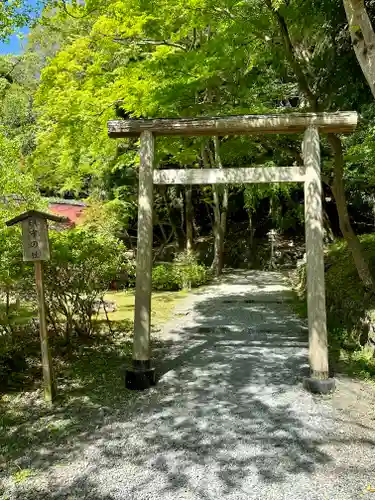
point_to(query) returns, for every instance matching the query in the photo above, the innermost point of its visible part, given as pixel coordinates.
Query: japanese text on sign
(35, 239)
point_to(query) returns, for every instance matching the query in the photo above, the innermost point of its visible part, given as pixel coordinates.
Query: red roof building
(67, 208)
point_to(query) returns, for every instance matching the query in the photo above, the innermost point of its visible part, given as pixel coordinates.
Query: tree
(13, 14)
(363, 38)
(316, 103)
(184, 59)
(17, 185)
(102, 72)
(18, 189)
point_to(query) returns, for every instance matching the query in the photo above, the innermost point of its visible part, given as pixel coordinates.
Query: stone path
(229, 418)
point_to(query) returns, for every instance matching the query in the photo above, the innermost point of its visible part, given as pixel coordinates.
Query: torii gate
(141, 374)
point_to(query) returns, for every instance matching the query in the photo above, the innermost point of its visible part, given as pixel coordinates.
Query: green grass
(349, 308)
(21, 475)
(90, 387)
(162, 305)
(24, 345)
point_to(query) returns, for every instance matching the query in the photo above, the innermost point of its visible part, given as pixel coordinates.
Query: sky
(15, 44)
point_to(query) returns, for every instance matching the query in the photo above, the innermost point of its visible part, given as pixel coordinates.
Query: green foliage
(18, 189)
(104, 59)
(190, 272)
(350, 309)
(22, 475)
(184, 272)
(13, 14)
(165, 277)
(360, 171)
(107, 218)
(145, 60)
(173, 58)
(345, 294)
(194, 58)
(82, 267)
(16, 304)
(17, 87)
(17, 185)
(16, 282)
(279, 196)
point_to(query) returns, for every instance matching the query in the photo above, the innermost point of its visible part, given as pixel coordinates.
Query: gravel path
(229, 418)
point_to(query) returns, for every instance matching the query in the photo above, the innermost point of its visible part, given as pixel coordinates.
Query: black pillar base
(319, 386)
(140, 376)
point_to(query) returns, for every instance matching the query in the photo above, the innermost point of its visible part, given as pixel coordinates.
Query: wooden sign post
(36, 249)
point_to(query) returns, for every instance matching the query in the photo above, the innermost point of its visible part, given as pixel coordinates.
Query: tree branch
(118, 101)
(225, 11)
(151, 42)
(65, 9)
(290, 52)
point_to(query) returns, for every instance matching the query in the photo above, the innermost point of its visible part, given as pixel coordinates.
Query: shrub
(16, 280)
(165, 277)
(191, 273)
(184, 272)
(350, 308)
(81, 269)
(17, 303)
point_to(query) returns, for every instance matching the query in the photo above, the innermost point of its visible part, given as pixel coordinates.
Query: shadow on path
(228, 419)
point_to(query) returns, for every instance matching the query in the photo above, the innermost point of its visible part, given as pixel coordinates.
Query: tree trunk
(170, 217)
(250, 243)
(189, 218)
(163, 232)
(329, 236)
(182, 211)
(217, 263)
(223, 210)
(220, 213)
(338, 191)
(363, 38)
(7, 303)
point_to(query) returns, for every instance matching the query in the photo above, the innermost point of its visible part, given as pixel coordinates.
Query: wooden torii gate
(141, 374)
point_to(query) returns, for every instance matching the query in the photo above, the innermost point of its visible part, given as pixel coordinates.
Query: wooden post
(48, 378)
(316, 304)
(141, 375)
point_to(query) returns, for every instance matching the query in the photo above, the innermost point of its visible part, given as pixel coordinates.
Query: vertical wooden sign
(35, 239)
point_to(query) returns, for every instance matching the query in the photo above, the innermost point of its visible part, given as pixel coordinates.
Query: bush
(191, 273)
(16, 281)
(350, 308)
(17, 301)
(81, 269)
(165, 277)
(184, 273)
